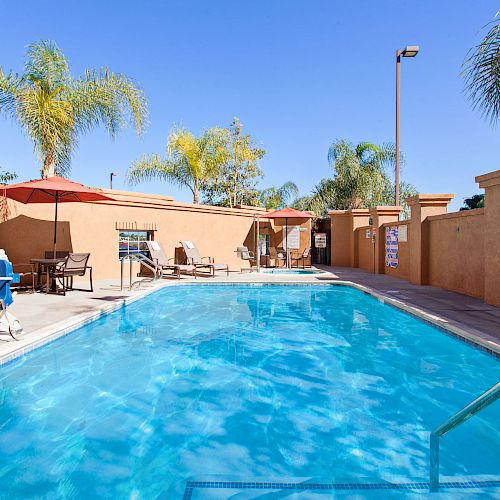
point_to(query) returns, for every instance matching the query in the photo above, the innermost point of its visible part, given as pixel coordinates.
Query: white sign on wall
(403, 234)
(391, 247)
(292, 240)
(320, 240)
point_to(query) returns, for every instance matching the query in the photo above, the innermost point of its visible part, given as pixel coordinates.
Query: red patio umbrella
(287, 213)
(52, 190)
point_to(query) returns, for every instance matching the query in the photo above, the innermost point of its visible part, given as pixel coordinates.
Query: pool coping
(60, 329)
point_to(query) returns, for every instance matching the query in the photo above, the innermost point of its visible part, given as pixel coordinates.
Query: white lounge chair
(160, 259)
(194, 258)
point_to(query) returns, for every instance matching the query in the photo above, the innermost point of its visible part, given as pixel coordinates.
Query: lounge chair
(277, 255)
(306, 254)
(247, 255)
(75, 264)
(194, 258)
(160, 259)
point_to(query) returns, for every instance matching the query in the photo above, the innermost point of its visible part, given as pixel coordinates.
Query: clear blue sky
(298, 74)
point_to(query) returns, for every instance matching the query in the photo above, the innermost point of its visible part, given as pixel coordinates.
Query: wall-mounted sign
(320, 240)
(391, 247)
(403, 234)
(292, 240)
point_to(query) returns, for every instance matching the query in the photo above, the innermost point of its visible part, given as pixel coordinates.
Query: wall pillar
(343, 244)
(491, 184)
(423, 206)
(382, 215)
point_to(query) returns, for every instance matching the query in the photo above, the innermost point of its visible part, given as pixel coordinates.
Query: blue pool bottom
(254, 381)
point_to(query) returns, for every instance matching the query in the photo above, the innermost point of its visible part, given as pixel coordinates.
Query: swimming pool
(249, 381)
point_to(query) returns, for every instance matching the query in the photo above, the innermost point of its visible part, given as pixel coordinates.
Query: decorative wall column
(343, 244)
(382, 215)
(491, 184)
(423, 206)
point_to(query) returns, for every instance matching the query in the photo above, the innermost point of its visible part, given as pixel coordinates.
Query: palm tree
(190, 161)
(360, 180)
(481, 70)
(278, 197)
(53, 108)
(359, 172)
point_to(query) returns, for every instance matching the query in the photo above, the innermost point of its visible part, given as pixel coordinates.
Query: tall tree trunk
(49, 168)
(196, 196)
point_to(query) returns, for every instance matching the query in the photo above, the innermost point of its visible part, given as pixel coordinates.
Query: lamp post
(111, 175)
(409, 51)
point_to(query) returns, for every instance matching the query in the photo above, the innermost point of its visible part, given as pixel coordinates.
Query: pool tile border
(305, 486)
(60, 329)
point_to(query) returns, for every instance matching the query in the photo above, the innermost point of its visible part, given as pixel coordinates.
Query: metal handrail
(486, 399)
(146, 262)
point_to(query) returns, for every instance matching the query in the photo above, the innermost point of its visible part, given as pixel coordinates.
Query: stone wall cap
(430, 199)
(355, 212)
(386, 210)
(489, 179)
(359, 211)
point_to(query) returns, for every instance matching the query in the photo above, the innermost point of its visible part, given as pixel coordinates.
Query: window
(131, 242)
(264, 244)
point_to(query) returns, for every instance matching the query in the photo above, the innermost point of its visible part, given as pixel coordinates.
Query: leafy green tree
(481, 71)
(322, 198)
(6, 177)
(475, 201)
(54, 108)
(191, 161)
(274, 197)
(238, 172)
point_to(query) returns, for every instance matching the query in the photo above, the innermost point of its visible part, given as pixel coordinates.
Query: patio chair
(247, 255)
(194, 258)
(277, 255)
(75, 264)
(28, 274)
(158, 256)
(306, 254)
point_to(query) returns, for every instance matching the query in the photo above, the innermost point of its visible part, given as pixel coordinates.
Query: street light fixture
(111, 175)
(409, 51)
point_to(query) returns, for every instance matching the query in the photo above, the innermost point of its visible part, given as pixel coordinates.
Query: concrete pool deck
(46, 317)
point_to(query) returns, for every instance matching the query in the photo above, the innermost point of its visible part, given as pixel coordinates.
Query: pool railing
(483, 401)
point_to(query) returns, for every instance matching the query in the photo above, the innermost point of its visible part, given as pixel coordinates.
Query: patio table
(47, 265)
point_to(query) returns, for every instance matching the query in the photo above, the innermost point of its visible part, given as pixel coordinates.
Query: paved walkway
(42, 315)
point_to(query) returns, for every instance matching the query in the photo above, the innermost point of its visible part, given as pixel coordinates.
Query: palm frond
(154, 167)
(45, 63)
(481, 71)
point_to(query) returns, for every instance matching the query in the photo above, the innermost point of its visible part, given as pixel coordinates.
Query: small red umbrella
(287, 213)
(52, 190)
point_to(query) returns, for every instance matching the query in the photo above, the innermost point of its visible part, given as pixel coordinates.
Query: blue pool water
(250, 381)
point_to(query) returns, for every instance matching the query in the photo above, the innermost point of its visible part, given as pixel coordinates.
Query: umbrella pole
(258, 245)
(286, 244)
(55, 225)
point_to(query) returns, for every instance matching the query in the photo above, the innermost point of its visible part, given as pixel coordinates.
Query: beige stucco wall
(92, 227)
(340, 239)
(456, 251)
(403, 269)
(365, 249)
